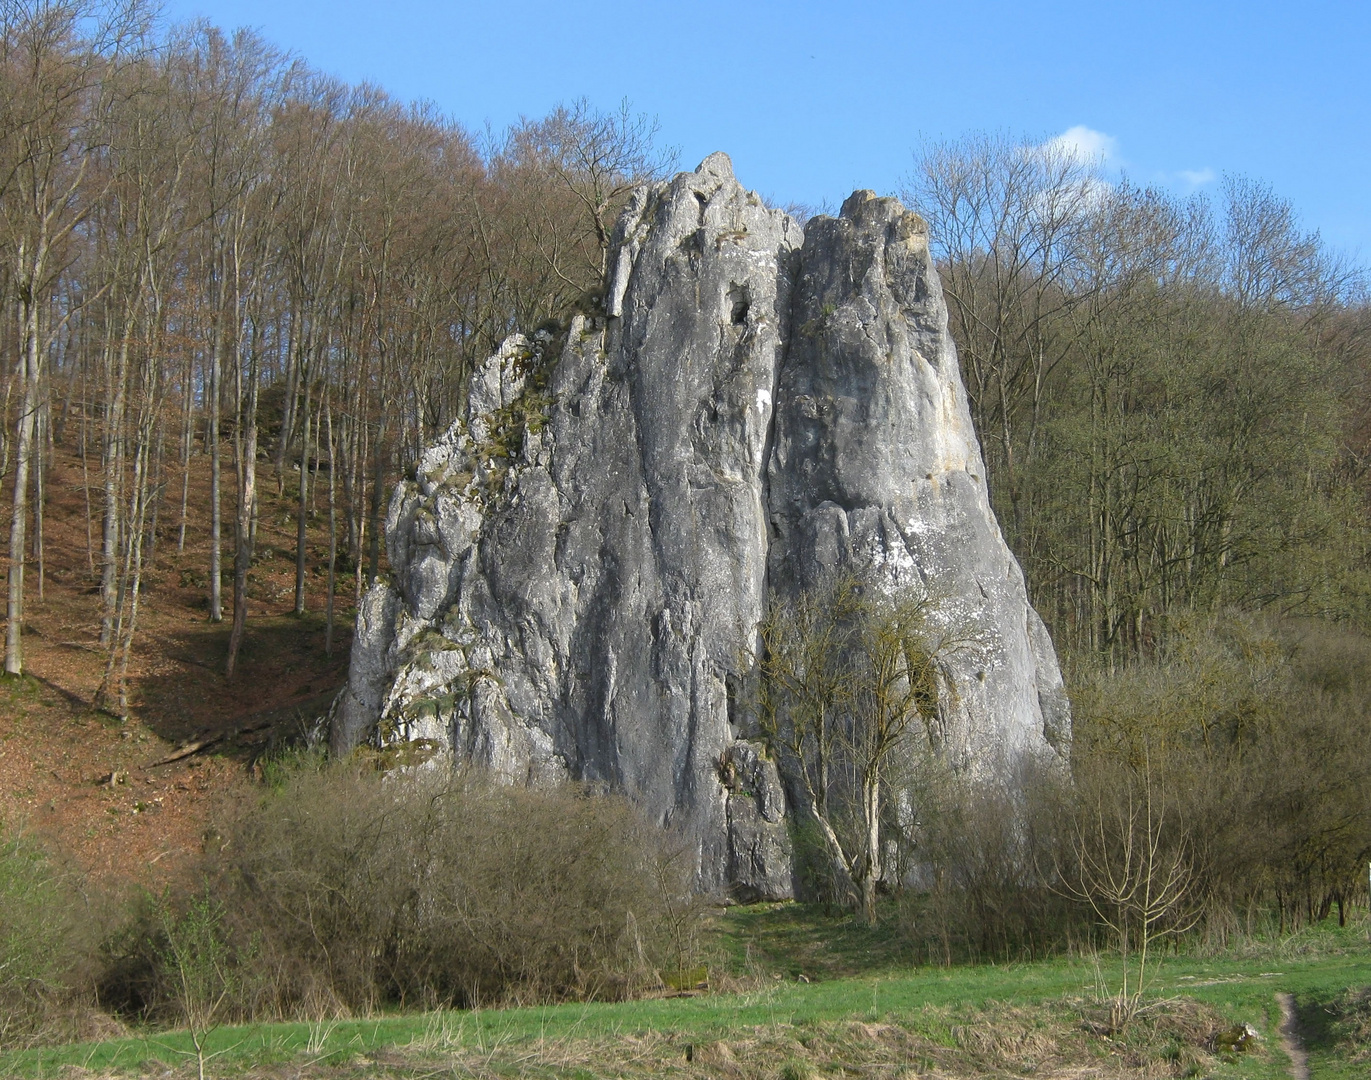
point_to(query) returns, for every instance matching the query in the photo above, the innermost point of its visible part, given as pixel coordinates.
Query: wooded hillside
(239, 296)
(209, 248)
(1170, 392)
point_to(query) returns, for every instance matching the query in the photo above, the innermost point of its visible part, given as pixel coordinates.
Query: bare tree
(149, 148)
(850, 677)
(598, 156)
(1133, 866)
(233, 81)
(55, 55)
(1007, 218)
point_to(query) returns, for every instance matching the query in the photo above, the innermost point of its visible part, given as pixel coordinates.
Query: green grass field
(1040, 1019)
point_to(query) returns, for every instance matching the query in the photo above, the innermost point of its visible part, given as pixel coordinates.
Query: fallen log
(186, 750)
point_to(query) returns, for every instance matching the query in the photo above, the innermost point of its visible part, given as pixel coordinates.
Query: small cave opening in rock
(739, 299)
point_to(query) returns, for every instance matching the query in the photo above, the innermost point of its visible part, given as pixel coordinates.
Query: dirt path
(1290, 1038)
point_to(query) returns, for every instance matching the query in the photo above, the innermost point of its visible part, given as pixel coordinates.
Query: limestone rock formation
(876, 467)
(579, 565)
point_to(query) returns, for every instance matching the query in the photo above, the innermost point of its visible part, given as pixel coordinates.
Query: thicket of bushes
(1259, 731)
(1244, 738)
(1221, 776)
(342, 890)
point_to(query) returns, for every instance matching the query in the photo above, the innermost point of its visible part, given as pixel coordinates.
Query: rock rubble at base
(580, 564)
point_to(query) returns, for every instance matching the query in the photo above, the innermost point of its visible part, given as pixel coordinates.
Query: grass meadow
(799, 995)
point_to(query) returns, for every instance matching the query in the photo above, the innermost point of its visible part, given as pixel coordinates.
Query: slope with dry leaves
(103, 792)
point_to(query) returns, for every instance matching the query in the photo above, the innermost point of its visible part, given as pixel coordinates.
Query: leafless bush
(984, 858)
(347, 889)
(1134, 866)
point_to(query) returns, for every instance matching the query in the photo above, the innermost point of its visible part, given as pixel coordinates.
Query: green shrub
(42, 939)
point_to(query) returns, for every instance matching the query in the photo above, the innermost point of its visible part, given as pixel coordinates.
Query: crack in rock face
(580, 564)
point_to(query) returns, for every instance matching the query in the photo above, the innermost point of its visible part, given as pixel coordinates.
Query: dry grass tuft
(937, 1043)
(1351, 1028)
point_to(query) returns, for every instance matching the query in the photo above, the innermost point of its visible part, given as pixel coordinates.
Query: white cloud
(1100, 153)
(1086, 144)
(1085, 158)
(1198, 177)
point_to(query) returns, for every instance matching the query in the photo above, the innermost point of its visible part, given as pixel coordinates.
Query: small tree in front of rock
(852, 677)
(1134, 867)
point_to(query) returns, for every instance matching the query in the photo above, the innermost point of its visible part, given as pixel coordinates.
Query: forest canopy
(1169, 392)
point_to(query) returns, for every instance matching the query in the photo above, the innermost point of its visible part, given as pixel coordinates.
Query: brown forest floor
(79, 778)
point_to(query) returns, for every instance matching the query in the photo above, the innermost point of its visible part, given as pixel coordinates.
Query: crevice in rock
(739, 300)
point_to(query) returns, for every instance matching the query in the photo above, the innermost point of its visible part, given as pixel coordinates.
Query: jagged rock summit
(579, 565)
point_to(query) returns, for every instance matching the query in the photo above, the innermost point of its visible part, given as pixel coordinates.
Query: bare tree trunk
(359, 445)
(14, 645)
(345, 437)
(116, 380)
(838, 860)
(332, 531)
(5, 443)
(374, 541)
(131, 580)
(301, 511)
(294, 354)
(187, 438)
(216, 555)
(85, 470)
(41, 457)
(245, 519)
(871, 811)
(158, 483)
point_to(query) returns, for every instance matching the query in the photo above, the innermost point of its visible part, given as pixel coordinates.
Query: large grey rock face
(580, 564)
(876, 468)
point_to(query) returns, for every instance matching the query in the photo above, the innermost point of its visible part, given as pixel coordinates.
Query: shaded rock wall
(579, 566)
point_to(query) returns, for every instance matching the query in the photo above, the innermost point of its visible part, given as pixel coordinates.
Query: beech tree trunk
(332, 531)
(14, 642)
(302, 506)
(216, 554)
(244, 533)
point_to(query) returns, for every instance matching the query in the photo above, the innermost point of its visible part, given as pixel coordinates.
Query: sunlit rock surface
(580, 564)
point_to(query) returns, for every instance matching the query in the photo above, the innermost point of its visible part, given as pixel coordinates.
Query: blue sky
(812, 100)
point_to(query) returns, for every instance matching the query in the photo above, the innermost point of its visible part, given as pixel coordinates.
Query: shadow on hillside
(284, 683)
